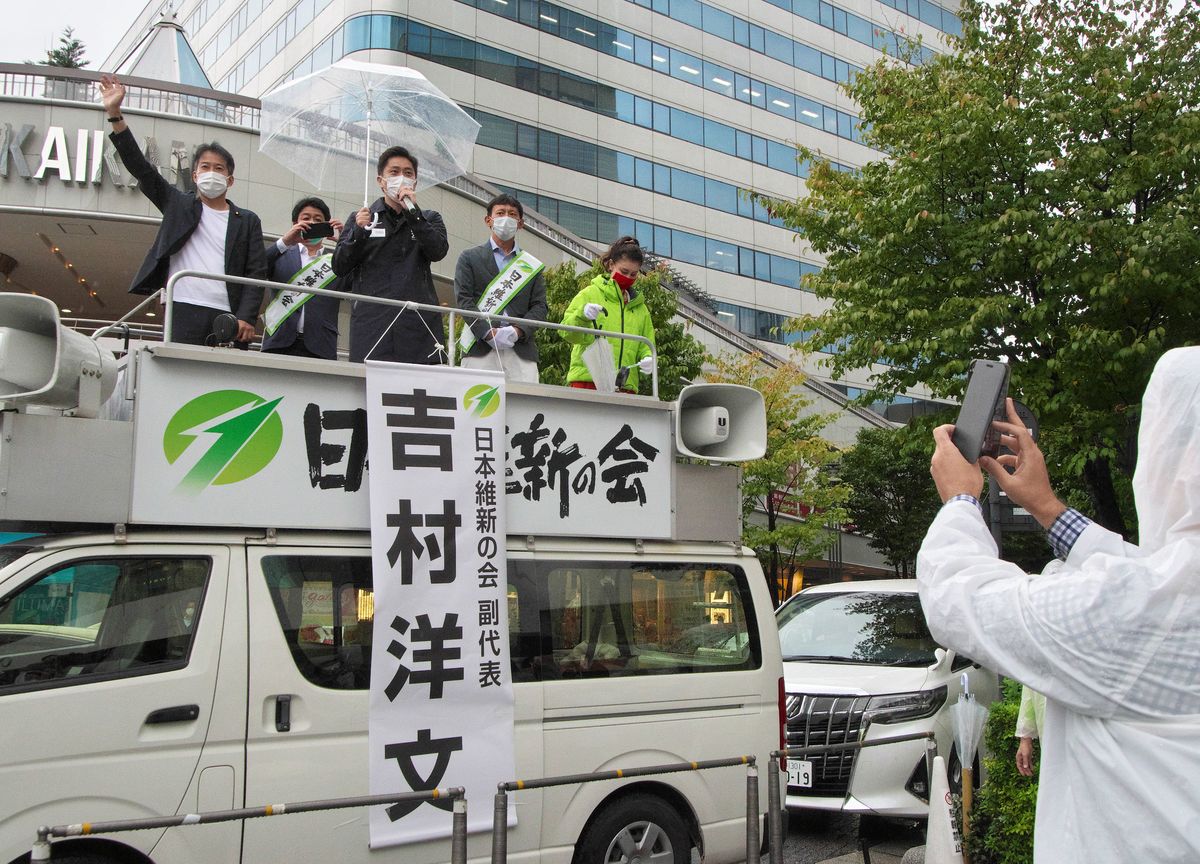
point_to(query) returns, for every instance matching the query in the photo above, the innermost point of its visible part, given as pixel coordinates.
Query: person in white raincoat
(1112, 639)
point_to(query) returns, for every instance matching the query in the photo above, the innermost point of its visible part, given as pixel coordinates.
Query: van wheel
(640, 829)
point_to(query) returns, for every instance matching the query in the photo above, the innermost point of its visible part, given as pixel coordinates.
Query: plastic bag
(598, 358)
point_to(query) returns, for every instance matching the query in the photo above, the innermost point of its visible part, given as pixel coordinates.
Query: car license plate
(799, 773)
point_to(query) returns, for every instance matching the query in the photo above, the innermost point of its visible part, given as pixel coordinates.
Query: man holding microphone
(386, 251)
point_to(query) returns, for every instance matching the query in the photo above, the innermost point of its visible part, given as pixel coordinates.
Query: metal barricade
(775, 804)
(458, 837)
(405, 306)
(500, 809)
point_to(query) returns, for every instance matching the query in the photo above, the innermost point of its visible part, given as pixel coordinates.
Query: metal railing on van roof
(403, 306)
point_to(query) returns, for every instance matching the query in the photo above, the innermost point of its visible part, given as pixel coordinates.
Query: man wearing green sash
(296, 323)
(501, 279)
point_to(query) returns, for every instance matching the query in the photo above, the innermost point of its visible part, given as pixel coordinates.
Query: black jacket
(395, 266)
(244, 255)
(476, 268)
(320, 313)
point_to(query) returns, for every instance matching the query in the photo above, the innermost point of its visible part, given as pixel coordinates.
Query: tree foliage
(1038, 202)
(68, 54)
(892, 498)
(680, 355)
(796, 470)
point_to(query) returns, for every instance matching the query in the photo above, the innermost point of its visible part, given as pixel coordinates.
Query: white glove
(505, 337)
(646, 365)
(592, 311)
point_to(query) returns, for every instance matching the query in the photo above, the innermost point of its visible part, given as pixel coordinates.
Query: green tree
(68, 54)
(796, 472)
(1038, 202)
(893, 499)
(680, 355)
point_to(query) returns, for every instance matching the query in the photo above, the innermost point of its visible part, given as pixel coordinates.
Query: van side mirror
(941, 659)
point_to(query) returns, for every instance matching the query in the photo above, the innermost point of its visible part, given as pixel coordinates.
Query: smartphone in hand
(318, 230)
(987, 387)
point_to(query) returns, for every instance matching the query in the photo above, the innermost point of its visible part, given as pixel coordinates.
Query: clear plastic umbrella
(969, 718)
(330, 126)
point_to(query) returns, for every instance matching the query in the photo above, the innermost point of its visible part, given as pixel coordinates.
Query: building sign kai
(83, 156)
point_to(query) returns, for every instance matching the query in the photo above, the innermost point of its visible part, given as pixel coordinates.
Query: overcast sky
(99, 24)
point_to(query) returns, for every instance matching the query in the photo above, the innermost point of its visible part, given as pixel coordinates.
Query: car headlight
(899, 707)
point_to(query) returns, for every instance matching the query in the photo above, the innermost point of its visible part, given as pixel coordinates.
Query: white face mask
(398, 183)
(504, 227)
(211, 184)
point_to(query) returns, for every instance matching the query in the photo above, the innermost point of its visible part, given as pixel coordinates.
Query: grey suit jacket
(475, 269)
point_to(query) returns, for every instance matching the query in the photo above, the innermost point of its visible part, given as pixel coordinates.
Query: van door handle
(283, 713)
(176, 714)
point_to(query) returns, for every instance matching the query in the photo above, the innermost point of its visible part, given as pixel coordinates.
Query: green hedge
(1002, 813)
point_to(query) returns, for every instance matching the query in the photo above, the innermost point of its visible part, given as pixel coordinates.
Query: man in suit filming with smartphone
(296, 323)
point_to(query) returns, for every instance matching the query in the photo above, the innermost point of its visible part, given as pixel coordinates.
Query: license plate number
(799, 773)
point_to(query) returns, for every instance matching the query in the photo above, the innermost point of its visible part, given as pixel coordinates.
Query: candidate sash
(318, 273)
(501, 290)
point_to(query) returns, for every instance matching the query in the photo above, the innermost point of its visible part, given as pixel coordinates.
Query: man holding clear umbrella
(1112, 639)
(386, 251)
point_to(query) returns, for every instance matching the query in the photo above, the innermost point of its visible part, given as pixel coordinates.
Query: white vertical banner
(441, 706)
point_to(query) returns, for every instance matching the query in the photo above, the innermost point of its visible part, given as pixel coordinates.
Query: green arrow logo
(482, 400)
(248, 434)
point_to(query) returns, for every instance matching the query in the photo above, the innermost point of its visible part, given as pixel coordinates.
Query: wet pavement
(816, 837)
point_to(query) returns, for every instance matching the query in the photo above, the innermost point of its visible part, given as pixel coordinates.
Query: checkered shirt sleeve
(1065, 531)
(969, 498)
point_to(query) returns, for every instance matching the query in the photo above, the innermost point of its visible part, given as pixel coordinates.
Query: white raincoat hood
(1111, 637)
(1166, 484)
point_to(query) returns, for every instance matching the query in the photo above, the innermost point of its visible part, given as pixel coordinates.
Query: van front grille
(819, 720)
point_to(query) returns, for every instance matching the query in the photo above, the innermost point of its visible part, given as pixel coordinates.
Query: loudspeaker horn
(721, 423)
(43, 363)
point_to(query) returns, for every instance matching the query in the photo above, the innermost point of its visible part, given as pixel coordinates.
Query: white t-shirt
(204, 251)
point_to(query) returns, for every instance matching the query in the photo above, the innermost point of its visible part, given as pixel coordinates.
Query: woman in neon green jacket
(611, 303)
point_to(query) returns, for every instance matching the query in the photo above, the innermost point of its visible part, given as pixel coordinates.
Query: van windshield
(886, 629)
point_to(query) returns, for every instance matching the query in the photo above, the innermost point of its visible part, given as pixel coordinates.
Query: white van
(152, 669)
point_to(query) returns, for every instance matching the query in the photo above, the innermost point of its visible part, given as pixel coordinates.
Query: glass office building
(610, 117)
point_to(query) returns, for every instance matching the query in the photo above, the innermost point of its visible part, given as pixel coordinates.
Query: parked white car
(860, 664)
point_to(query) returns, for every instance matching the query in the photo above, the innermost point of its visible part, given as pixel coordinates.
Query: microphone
(409, 184)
